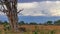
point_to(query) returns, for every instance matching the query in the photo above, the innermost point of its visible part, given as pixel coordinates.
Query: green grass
(0, 32)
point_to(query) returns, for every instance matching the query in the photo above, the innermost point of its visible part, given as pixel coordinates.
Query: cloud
(44, 8)
(1, 13)
(27, 5)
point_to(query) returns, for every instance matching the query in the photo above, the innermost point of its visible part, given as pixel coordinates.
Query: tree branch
(4, 10)
(20, 11)
(7, 4)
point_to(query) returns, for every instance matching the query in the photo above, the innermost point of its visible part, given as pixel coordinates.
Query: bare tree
(10, 9)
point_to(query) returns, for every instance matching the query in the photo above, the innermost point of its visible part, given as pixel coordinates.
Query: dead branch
(20, 10)
(2, 4)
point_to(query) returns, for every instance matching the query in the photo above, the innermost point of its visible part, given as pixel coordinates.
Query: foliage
(6, 25)
(21, 22)
(52, 32)
(33, 23)
(35, 32)
(49, 22)
(57, 22)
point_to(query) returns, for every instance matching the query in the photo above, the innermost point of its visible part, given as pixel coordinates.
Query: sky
(46, 8)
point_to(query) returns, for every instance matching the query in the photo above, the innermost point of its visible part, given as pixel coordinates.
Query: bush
(22, 29)
(52, 32)
(35, 32)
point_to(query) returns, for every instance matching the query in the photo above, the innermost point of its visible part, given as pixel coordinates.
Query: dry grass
(40, 29)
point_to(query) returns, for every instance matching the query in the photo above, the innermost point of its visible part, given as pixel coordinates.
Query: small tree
(33, 23)
(1, 22)
(6, 26)
(49, 22)
(21, 22)
(5, 22)
(57, 22)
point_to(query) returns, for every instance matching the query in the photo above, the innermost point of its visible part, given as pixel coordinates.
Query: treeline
(34, 23)
(57, 22)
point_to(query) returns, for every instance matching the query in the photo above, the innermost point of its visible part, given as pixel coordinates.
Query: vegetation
(49, 22)
(21, 23)
(33, 23)
(23, 30)
(36, 31)
(57, 22)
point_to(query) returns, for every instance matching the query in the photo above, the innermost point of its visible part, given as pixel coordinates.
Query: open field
(35, 29)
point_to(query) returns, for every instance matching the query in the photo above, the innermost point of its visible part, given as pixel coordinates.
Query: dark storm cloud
(24, 1)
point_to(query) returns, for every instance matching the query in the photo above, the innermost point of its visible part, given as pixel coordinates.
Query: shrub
(22, 29)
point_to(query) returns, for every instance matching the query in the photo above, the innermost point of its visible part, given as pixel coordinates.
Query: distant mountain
(3, 18)
(38, 19)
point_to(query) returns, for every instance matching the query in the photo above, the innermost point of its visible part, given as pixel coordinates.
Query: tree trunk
(13, 20)
(13, 16)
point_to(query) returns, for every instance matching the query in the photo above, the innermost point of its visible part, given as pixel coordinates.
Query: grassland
(36, 29)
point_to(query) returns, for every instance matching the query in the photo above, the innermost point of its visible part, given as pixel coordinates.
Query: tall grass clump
(52, 32)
